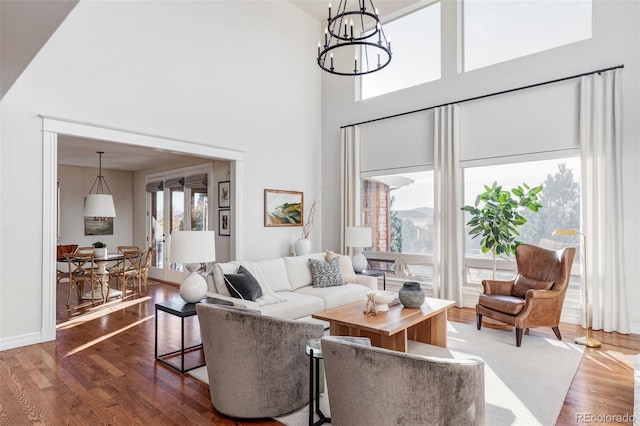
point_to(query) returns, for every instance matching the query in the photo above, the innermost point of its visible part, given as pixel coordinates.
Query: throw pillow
(523, 284)
(326, 274)
(243, 285)
(346, 267)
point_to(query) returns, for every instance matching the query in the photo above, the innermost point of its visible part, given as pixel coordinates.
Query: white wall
(232, 74)
(616, 41)
(75, 183)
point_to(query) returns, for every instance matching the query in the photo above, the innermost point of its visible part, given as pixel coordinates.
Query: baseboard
(18, 341)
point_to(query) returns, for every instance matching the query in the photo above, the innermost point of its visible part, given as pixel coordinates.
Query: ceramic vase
(302, 247)
(411, 295)
(100, 252)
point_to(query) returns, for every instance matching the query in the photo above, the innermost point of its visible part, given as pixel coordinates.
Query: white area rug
(523, 386)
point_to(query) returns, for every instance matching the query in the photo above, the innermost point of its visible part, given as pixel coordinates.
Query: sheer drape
(349, 181)
(600, 148)
(448, 229)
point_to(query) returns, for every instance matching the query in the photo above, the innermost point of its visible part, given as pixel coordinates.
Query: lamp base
(359, 262)
(588, 342)
(194, 287)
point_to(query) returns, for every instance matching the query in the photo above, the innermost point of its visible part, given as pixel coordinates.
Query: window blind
(197, 181)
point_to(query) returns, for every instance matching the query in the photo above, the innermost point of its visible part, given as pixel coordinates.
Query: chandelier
(100, 203)
(354, 29)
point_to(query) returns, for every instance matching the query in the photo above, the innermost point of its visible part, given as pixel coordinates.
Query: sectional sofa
(287, 287)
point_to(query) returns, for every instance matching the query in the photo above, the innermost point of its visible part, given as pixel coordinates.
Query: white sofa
(287, 288)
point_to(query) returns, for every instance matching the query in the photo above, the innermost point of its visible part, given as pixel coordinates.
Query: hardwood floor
(101, 370)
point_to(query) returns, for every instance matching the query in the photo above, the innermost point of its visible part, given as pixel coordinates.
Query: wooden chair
(62, 268)
(129, 269)
(82, 270)
(144, 267)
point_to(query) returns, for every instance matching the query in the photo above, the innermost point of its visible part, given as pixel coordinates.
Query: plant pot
(411, 295)
(302, 247)
(100, 252)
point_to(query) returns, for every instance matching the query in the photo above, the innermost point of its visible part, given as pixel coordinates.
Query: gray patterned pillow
(326, 274)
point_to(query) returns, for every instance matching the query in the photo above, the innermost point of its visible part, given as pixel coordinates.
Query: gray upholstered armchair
(375, 386)
(257, 365)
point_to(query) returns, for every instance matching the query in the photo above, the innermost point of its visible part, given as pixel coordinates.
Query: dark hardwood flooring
(101, 370)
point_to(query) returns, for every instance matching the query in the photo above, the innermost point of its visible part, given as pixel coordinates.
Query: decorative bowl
(383, 298)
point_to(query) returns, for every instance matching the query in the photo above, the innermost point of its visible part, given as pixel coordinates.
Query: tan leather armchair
(534, 298)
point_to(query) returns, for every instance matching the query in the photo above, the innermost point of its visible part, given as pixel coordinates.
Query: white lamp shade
(99, 205)
(358, 237)
(193, 246)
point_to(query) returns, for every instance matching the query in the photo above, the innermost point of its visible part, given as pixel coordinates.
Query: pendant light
(99, 203)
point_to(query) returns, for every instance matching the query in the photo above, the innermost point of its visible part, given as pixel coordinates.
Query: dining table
(101, 263)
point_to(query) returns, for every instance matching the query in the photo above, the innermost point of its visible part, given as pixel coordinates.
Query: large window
(415, 46)
(497, 31)
(399, 209)
(560, 198)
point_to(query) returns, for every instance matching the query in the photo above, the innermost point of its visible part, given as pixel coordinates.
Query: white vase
(100, 252)
(302, 247)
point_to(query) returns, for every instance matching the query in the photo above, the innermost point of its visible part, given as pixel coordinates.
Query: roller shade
(154, 186)
(197, 181)
(174, 183)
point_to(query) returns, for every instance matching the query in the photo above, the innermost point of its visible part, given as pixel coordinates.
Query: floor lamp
(586, 340)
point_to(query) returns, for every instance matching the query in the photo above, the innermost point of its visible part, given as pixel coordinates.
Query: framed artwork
(283, 208)
(98, 226)
(224, 222)
(224, 194)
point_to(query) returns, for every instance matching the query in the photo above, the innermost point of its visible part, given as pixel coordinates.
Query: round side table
(314, 351)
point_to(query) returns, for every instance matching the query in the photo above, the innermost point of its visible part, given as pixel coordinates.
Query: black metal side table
(314, 350)
(375, 273)
(181, 309)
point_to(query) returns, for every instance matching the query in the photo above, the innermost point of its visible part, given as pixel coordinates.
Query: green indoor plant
(495, 217)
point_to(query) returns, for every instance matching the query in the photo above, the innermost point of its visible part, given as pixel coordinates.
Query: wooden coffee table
(391, 329)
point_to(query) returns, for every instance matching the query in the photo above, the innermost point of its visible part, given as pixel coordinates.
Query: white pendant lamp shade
(193, 248)
(100, 202)
(99, 205)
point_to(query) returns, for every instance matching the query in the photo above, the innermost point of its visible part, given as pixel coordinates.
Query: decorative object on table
(302, 246)
(99, 249)
(192, 248)
(358, 238)
(224, 222)
(365, 37)
(283, 208)
(586, 340)
(383, 298)
(370, 306)
(224, 194)
(99, 204)
(411, 295)
(496, 221)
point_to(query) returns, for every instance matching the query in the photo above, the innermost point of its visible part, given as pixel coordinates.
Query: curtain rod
(530, 86)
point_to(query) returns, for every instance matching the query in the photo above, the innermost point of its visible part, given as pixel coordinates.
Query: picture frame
(98, 226)
(224, 223)
(283, 208)
(224, 194)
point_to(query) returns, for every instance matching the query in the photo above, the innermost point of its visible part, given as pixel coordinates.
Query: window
(399, 209)
(199, 209)
(415, 46)
(560, 198)
(498, 31)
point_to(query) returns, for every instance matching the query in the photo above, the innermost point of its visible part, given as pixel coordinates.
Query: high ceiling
(26, 25)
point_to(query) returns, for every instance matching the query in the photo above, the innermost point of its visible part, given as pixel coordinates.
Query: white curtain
(349, 181)
(448, 261)
(602, 197)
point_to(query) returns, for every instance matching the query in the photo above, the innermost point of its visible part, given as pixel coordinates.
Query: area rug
(523, 386)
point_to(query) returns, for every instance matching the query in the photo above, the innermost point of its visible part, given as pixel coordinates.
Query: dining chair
(82, 270)
(62, 267)
(144, 267)
(129, 270)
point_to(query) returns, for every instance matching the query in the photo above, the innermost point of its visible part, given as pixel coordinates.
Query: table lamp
(586, 340)
(358, 238)
(192, 248)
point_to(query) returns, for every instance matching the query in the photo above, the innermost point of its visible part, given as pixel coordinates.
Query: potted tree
(99, 249)
(495, 217)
